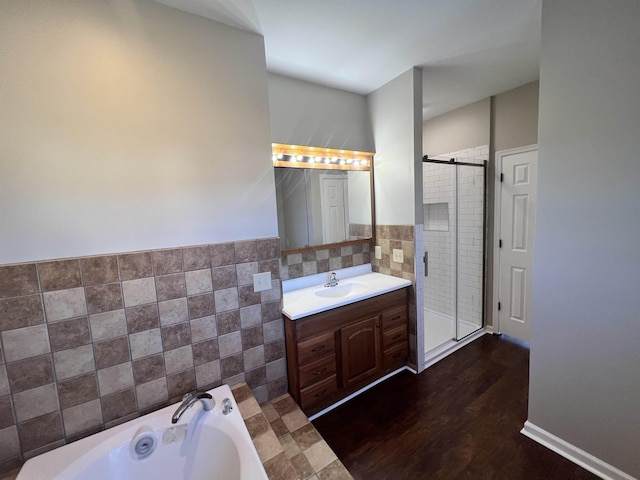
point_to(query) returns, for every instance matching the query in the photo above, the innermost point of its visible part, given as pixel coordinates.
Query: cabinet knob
(317, 349)
(377, 325)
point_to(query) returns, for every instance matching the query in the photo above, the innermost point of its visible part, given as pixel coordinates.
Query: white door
(516, 201)
(333, 209)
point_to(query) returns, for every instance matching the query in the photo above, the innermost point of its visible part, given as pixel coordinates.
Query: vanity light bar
(298, 156)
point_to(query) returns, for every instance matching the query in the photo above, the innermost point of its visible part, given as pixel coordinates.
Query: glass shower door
(470, 249)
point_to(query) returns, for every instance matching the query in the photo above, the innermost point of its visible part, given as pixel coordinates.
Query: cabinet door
(360, 347)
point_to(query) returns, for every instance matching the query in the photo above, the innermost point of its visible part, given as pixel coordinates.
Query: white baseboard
(489, 329)
(573, 453)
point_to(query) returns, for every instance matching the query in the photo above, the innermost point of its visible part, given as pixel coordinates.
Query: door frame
(497, 219)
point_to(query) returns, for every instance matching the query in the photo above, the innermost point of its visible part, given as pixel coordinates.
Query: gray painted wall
(304, 113)
(514, 116)
(396, 125)
(463, 128)
(585, 349)
(127, 135)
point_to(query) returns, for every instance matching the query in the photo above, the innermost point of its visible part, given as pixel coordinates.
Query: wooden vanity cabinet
(334, 353)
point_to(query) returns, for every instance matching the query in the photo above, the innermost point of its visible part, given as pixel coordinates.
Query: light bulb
(280, 156)
(299, 157)
(356, 163)
(327, 160)
(342, 162)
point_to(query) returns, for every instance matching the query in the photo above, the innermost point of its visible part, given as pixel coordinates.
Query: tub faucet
(333, 281)
(191, 399)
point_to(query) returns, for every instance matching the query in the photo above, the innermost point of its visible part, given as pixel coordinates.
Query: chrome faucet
(191, 399)
(333, 281)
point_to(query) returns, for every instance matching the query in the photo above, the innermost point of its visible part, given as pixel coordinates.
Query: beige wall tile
(173, 311)
(199, 281)
(78, 390)
(104, 298)
(142, 317)
(222, 254)
(179, 359)
(251, 316)
(181, 383)
(171, 286)
(69, 334)
(116, 378)
(254, 357)
(273, 331)
(245, 272)
(72, 362)
(9, 444)
(30, 373)
(196, 258)
(277, 369)
(208, 374)
(135, 265)
(25, 342)
(226, 299)
(108, 325)
(41, 431)
(148, 368)
(111, 352)
(224, 277)
(145, 343)
(139, 292)
(4, 381)
(230, 343)
(203, 328)
(167, 261)
(63, 304)
(246, 251)
(201, 305)
(152, 393)
(273, 294)
(35, 402)
(118, 405)
(207, 351)
(82, 417)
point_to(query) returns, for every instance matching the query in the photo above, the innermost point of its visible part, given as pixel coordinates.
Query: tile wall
(87, 343)
(309, 263)
(400, 237)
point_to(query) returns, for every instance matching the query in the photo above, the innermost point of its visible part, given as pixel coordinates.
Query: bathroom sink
(341, 290)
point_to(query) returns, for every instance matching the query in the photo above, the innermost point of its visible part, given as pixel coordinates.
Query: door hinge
(499, 306)
(501, 177)
(500, 243)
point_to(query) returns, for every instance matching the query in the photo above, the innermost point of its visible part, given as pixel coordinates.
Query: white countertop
(301, 299)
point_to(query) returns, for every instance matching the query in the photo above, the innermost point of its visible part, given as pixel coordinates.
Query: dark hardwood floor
(459, 419)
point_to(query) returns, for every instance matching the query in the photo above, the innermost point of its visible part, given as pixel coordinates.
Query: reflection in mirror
(320, 207)
(324, 196)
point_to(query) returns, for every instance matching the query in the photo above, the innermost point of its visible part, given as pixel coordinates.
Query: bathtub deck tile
(301, 452)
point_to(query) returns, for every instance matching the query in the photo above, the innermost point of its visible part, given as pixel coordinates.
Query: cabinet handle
(397, 317)
(319, 394)
(320, 372)
(397, 355)
(317, 349)
(396, 337)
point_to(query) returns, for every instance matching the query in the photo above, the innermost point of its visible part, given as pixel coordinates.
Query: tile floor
(289, 445)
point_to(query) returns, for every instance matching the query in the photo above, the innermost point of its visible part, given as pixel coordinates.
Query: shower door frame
(483, 165)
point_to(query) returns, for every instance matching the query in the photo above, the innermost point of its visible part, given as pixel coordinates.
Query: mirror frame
(333, 159)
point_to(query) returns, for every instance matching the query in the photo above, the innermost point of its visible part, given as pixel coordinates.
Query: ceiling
(468, 49)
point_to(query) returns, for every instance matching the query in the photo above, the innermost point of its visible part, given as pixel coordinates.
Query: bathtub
(202, 445)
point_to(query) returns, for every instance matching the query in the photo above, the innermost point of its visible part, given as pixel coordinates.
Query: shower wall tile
(90, 342)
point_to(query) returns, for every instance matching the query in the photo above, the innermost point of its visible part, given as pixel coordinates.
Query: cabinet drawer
(394, 317)
(394, 336)
(316, 347)
(318, 370)
(396, 357)
(318, 392)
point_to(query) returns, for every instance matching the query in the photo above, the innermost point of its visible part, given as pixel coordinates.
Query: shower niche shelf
(436, 217)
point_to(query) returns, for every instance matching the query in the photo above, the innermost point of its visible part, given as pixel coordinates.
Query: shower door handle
(426, 264)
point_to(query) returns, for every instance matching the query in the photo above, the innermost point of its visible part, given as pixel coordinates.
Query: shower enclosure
(454, 246)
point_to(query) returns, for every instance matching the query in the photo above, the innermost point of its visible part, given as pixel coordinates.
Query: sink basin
(341, 290)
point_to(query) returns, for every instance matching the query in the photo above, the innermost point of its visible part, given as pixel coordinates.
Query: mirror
(322, 207)
(324, 197)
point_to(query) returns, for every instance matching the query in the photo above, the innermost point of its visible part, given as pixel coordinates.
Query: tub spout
(189, 400)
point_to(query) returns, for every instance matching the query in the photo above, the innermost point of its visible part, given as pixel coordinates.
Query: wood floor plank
(460, 419)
